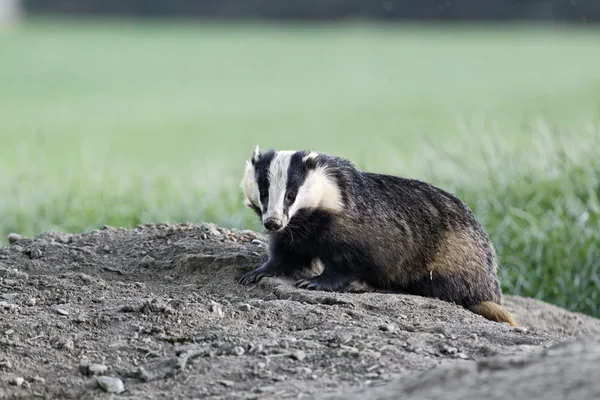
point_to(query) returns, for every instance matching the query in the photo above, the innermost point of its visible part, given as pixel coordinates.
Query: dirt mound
(156, 312)
(568, 370)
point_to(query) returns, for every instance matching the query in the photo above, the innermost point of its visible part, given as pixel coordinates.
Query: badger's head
(278, 184)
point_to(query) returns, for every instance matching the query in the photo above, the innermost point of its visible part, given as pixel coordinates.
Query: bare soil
(158, 310)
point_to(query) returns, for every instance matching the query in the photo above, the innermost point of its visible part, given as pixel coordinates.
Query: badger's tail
(493, 312)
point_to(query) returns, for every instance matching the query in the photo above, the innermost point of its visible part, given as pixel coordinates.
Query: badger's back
(416, 235)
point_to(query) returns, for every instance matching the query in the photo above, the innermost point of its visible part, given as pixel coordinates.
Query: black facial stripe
(297, 174)
(261, 168)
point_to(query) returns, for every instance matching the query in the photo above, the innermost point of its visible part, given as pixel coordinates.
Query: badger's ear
(310, 160)
(255, 155)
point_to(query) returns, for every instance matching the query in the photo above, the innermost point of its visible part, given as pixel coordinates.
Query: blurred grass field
(125, 122)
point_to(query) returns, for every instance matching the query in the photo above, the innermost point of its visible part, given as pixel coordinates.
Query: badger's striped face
(277, 184)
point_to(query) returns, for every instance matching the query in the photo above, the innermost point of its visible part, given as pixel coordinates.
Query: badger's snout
(273, 224)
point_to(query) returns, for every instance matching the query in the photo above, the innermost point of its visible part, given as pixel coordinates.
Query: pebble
(31, 301)
(462, 356)
(217, 309)
(4, 304)
(18, 381)
(238, 351)
(69, 345)
(520, 329)
(93, 369)
(266, 389)
(110, 384)
(35, 253)
(473, 336)
(261, 365)
(213, 231)
(147, 261)
(258, 242)
(14, 238)
(449, 350)
(387, 327)
(227, 383)
(62, 311)
(244, 307)
(5, 364)
(298, 355)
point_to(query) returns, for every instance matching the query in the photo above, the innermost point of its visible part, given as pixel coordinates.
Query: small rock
(304, 370)
(473, 336)
(97, 369)
(462, 356)
(256, 349)
(520, 329)
(14, 238)
(244, 307)
(258, 242)
(449, 350)
(238, 351)
(17, 381)
(69, 345)
(38, 379)
(372, 375)
(266, 389)
(213, 231)
(227, 383)
(31, 301)
(93, 369)
(6, 304)
(387, 327)
(110, 384)
(5, 364)
(147, 261)
(298, 355)
(261, 365)
(35, 253)
(62, 311)
(217, 309)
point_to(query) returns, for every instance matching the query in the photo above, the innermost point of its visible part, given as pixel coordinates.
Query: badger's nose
(272, 224)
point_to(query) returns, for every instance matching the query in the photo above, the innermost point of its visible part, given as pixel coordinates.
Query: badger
(393, 233)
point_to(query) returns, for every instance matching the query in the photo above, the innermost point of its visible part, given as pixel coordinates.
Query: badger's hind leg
(463, 271)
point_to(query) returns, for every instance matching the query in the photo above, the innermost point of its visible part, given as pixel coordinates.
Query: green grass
(123, 123)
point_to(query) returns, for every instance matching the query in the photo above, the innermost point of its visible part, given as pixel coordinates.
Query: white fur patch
(250, 187)
(318, 191)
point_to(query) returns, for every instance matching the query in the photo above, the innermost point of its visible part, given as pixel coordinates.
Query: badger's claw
(321, 282)
(255, 275)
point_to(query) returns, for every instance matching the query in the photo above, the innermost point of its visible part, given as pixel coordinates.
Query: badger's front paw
(257, 274)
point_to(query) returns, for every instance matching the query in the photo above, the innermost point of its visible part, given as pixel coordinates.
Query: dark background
(581, 11)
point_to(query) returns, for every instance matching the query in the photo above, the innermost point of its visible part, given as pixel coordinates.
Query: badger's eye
(291, 196)
(263, 193)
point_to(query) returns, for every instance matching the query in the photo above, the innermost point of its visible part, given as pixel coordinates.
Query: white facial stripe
(278, 174)
(318, 191)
